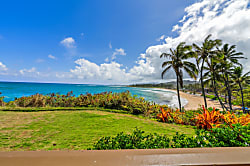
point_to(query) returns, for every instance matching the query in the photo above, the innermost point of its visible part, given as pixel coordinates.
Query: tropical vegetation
(218, 67)
(217, 137)
(119, 101)
(221, 77)
(178, 62)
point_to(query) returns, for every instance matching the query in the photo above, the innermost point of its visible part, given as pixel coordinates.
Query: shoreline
(194, 101)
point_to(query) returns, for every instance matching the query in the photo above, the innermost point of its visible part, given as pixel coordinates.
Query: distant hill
(167, 85)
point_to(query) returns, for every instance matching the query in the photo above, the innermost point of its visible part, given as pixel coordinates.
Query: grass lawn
(75, 130)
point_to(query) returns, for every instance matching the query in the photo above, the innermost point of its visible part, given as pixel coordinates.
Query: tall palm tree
(203, 53)
(212, 76)
(229, 59)
(177, 61)
(239, 78)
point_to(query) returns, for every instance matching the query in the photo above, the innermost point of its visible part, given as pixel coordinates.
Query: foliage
(136, 140)
(237, 96)
(217, 137)
(231, 118)
(178, 62)
(213, 119)
(122, 101)
(204, 119)
(224, 136)
(1, 100)
(170, 116)
(208, 119)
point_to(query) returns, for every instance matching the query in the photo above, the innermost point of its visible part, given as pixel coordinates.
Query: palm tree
(203, 53)
(229, 58)
(239, 78)
(177, 62)
(212, 76)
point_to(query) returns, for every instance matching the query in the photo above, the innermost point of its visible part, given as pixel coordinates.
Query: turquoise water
(11, 90)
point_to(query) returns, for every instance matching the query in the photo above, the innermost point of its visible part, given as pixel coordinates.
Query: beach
(196, 101)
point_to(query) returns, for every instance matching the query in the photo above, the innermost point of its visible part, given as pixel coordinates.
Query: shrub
(136, 140)
(238, 136)
(231, 118)
(224, 136)
(122, 101)
(208, 119)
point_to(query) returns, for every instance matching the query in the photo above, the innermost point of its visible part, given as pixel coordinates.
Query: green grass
(75, 130)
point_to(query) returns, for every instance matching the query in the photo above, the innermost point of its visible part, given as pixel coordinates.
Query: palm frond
(164, 71)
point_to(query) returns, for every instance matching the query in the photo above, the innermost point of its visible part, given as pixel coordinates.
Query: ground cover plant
(73, 130)
(216, 137)
(218, 66)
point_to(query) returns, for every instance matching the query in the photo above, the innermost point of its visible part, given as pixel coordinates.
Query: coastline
(195, 102)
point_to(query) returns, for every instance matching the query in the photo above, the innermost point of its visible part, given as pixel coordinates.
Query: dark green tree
(177, 60)
(207, 48)
(241, 79)
(229, 59)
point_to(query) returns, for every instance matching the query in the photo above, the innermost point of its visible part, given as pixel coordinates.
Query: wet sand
(185, 156)
(196, 101)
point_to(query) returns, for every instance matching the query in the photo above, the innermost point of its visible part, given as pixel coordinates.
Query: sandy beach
(196, 101)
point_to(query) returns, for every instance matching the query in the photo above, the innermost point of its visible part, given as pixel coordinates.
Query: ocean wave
(167, 97)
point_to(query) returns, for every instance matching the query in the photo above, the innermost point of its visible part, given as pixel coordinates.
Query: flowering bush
(208, 119)
(170, 115)
(204, 119)
(122, 101)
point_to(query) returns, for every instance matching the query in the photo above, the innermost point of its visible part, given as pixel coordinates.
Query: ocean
(11, 90)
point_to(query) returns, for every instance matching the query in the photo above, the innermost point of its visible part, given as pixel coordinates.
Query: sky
(110, 41)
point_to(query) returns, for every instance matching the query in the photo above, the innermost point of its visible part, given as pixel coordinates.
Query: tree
(177, 61)
(203, 53)
(229, 58)
(213, 76)
(240, 79)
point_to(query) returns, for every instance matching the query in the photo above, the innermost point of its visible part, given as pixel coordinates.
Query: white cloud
(68, 42)
(3, 67)
(226, 20)
(175, 28)
(29, 72)
(160, 38)
(110, 45)
(108, 72)
(117, 51)
(51, 56)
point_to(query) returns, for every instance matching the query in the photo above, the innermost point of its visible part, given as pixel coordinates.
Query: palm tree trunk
(178, 93)
(202, 84)
(242, 98)
(225, 97)
(229, 93)
(217, 95)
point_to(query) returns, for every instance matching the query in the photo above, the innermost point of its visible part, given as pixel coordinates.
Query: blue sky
(46, 38)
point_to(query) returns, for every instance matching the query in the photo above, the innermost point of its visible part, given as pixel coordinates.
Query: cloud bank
(228, 20)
